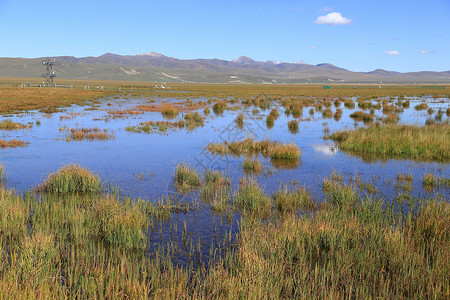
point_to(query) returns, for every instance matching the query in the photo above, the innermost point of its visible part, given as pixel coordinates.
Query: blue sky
(396, 35)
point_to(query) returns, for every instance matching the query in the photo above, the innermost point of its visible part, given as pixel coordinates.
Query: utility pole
(49, 74)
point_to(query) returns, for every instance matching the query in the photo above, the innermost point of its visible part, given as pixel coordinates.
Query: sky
(396, 35)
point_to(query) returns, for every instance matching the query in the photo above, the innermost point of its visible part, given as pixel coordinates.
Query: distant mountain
(154, 66)
(330, 66)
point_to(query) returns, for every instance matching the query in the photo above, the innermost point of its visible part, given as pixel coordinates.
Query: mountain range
(154, 66)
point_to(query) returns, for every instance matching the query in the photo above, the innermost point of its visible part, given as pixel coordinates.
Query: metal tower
(49, 74)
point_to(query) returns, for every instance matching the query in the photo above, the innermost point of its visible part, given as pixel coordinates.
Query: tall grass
(80, 134)
(293, 126)
(71, 179)
(95, 246)
(362, 116)
(289, 200)
(216, 190)
(249, 146)
(251, 198)
(169, 111)
(252, 166)
(186, 177)
(409, 141)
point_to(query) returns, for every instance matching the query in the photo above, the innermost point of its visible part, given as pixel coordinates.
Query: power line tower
(49, 74)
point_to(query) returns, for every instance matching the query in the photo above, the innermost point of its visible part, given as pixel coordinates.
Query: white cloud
(313, 47)
(333, 18)
(391, 52)
(428, 51)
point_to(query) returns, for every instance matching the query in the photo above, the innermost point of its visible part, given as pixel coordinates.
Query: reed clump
(421, 106)
(71, 179)
(216, 190)
(252, 166)
(219, 107)
(169, 111)
(249, 146)
(362, 116)
(270, 121)
(80, 134)
(337, 114)
(12, 143)
(286, 199)
(251, 198)
(11, 125)
(193, 120)
(327, 113)
(285, 151)
(239, 121)
(293, 126)
(274, 113)
(120, 224)
(186, 177)
(410, 141)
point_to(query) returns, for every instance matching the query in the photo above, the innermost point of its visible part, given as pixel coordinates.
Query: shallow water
(142, 165)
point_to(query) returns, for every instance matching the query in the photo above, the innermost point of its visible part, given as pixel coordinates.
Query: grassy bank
(95, 246)
(409, 141)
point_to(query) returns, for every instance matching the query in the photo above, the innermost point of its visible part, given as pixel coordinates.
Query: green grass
(285, 151)
(2, 175)
(96, 247)
(293, 126)
(362, 116)
(219, 107)
(337, 114)
(251, 198)
(193, 120)
(249, 146)
(291, 200)
(169, 111)
(327, 113)
(252, 166)
(71, 179)
(239, 121)
(274, 113)
(186, 177)
(270, 121)
(408, 141)
(216, 190)
(421, 106)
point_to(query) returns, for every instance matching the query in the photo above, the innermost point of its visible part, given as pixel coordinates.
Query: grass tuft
(410, 141)
(290, 200)
(186, 177)
(251, 198)
(71, 179)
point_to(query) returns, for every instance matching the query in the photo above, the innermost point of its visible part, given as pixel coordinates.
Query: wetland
(223, 191)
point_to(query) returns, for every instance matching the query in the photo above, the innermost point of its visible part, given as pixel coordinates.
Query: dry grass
(80, 134)
(250, 147)
(10, 125)
(17, 99)
(12, 143)
(362, 116)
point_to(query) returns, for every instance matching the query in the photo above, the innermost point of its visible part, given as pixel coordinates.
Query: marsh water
(142, 165)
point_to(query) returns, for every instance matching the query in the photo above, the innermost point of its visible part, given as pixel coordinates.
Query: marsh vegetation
(216, 205)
